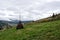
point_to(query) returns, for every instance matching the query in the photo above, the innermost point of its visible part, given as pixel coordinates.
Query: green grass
(34, 31)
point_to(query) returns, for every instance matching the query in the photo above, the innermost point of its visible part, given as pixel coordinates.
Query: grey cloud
(25, 8)
(12, 9)
(2, 14)
(51, 6)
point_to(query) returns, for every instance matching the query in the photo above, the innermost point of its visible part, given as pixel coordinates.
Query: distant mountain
(17, 21)
(8, 24)
(3, 22)
(26, 21)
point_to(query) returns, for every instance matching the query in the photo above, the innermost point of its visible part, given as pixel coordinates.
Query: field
(34, 31)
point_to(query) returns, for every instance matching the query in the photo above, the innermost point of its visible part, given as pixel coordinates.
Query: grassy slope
(36, 31)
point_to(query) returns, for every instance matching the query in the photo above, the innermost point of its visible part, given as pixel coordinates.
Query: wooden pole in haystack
(20, 25)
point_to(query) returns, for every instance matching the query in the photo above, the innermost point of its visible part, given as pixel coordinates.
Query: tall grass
(34, 31)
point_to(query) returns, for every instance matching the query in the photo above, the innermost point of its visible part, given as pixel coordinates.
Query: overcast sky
(28, 9)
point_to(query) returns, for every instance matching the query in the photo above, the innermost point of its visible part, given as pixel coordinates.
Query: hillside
(4, 25)
(44, 29)
(51, 18)
(34, 31)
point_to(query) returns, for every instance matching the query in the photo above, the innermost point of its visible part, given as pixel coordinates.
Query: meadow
(33, 31)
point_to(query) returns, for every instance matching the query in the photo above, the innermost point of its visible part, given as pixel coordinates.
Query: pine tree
(53, 15)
